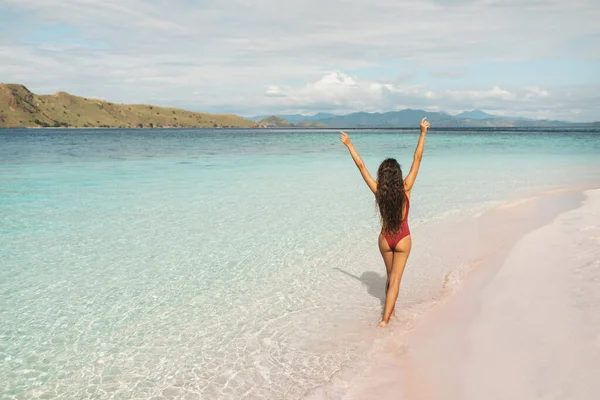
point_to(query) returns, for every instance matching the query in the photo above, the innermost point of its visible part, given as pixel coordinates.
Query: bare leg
(387, 287)
(388, 257)
(401, 254)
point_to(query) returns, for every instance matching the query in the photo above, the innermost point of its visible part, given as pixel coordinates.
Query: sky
(527, 58)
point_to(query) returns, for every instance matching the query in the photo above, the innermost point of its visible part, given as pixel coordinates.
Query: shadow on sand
(374, 282)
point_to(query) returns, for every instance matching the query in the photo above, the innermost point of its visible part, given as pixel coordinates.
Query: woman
(392, 194)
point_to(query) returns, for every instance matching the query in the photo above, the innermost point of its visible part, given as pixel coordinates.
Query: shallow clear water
(222, 264)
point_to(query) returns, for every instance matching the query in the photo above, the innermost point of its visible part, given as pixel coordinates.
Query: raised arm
(359, 163)
(409, 181)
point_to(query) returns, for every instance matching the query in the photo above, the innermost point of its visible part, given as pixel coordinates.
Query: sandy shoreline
(467, 346)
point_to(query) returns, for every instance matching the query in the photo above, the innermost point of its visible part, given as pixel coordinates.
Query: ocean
(230, 264)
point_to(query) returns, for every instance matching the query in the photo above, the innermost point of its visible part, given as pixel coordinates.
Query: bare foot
(382, 324)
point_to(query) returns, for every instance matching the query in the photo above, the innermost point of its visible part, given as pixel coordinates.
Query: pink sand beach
(521, 323)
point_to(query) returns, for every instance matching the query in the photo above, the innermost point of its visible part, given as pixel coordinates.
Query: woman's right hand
(344, 138)
(424, 125)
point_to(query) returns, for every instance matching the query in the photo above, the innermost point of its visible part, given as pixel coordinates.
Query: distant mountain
(404, 118)
(274, 122)
(319, 116)
(311, 124)
(21, 108)
(278, 122)
(476, 115)
(295, 118)
(411, 118)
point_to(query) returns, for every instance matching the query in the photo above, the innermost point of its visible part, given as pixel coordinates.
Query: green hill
(21, 108)
(275, 122)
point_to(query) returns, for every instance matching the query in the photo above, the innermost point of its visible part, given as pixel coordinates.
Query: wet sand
(524, 323)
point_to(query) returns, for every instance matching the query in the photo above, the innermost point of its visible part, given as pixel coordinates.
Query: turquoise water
(222, 264)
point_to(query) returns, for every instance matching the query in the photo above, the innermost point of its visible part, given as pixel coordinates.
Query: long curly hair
(390, 197)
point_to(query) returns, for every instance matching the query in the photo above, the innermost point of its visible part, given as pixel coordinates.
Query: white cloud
(333, 90)
(274, 91)
(239, 55)
(340, 93)
(533, 92)
(451, 74)
(493, 93)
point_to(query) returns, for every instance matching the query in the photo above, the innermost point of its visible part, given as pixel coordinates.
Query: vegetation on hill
(21, 108)
(275, 122)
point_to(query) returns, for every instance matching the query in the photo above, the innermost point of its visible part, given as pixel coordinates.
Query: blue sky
(531, 58)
